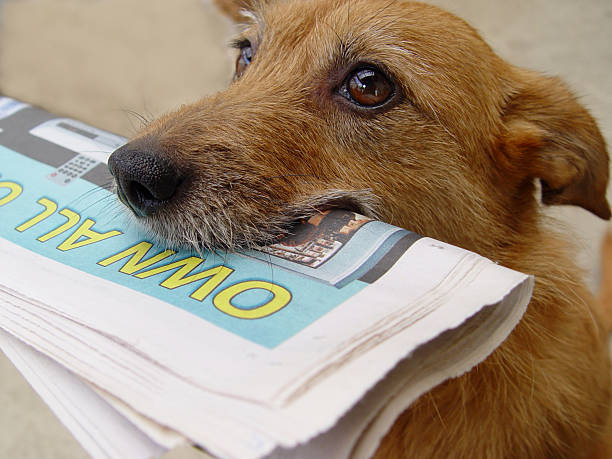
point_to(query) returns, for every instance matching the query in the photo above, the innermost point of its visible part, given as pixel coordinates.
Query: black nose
(145, 180)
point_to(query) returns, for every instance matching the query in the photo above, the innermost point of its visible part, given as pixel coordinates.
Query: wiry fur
(605, 294)
(454, 157)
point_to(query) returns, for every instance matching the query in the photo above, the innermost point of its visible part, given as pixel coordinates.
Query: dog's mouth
(240, 227)
(344, 201)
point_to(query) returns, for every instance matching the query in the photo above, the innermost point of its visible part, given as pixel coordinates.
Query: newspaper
(246, 354)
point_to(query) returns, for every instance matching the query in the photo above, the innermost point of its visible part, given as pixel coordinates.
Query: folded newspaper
(310, 348)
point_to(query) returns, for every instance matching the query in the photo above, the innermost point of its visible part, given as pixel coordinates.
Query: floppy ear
(550, 136)
(234, 9)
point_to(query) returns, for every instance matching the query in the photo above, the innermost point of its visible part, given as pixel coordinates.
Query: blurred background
(101, 60)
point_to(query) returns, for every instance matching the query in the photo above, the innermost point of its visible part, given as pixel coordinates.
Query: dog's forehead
(414, 40)
(291, 26)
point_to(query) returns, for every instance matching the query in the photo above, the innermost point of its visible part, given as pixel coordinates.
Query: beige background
(97, 60)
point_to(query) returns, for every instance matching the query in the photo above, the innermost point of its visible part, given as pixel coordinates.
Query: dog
(400, 111)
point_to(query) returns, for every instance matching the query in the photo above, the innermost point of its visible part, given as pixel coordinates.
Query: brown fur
(605, 293)
(455, 157)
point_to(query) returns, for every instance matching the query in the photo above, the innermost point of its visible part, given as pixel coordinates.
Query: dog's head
(393, 109)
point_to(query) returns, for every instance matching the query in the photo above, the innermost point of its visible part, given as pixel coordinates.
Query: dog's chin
(242, 228)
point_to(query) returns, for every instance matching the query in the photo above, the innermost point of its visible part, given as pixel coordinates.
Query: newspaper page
(243, 353)
(100, 429)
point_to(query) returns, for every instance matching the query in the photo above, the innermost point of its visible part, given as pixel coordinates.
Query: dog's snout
(145, 180)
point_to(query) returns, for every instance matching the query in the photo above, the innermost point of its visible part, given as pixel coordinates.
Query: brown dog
(400, 110)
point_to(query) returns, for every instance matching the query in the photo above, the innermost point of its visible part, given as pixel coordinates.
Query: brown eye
(244, 58)
(367, 87)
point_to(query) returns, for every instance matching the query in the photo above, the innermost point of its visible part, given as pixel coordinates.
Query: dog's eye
(244, 58)
(367, 87)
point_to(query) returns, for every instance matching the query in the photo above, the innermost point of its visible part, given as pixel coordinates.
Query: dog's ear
(548, 135)
(236, 9)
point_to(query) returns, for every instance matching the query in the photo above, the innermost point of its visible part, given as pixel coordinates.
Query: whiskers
(141, 120)
(105, 191)
(101, 202)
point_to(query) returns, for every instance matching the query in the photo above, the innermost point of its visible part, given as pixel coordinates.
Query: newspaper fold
(339, 326)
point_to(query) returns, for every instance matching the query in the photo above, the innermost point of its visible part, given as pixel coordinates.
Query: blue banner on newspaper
(265, 297)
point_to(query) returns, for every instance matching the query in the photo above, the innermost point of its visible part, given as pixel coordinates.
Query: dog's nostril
(141, 192)
(144, 198)
(145, 180)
